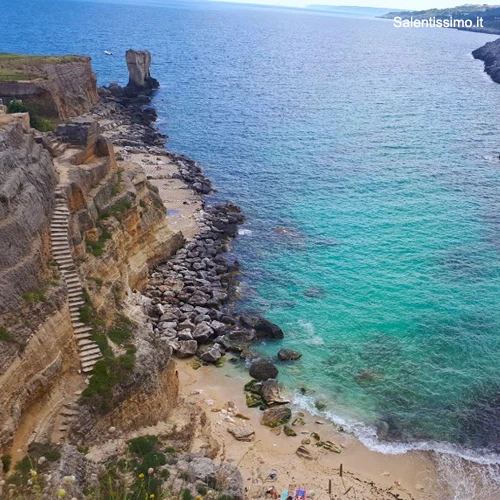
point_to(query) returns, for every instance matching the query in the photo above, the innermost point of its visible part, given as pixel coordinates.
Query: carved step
(68, 412)
(89, 363)
(85, 342)
(90, 354)
(81, 330)
(83, 336)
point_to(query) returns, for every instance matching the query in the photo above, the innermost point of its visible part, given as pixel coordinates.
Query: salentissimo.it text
(432, 22)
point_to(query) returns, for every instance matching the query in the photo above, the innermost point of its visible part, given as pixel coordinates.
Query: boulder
(289, 355)
(202, 332)
(289, 431)
(278, 415)
(303, 452)
(331, 446)
(253, 386)
(187, 348)
(211, 355)
(271, 393)
(242, 433)
(185, 335)
(254, 400)
(264, 329)
(243, 336)
(263, 370)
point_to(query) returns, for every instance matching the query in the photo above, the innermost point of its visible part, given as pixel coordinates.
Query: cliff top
(16, 67)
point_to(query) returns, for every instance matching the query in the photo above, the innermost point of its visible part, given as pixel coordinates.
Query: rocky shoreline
(490, 54)
(189, 297)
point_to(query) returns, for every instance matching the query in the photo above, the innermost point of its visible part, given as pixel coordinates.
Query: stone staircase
(52, 144)
(61, 252)
(68, 413)
(56, 147)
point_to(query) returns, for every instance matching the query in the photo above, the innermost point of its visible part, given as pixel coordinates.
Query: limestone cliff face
(35, 348)
(115, 204)
(27, 183)
(117, 229)
(62, 89)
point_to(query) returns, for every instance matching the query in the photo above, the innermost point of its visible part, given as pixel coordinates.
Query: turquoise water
(377, 150)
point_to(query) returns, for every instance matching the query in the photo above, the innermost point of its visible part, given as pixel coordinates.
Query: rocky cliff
(490, 54)
(117, 228)
(57, 87)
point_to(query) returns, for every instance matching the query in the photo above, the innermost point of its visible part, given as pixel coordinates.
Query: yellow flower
(33, 473)
(141, 476)
(61, 493)
(152, 495)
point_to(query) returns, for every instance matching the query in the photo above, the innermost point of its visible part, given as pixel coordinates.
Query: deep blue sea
(366, 159)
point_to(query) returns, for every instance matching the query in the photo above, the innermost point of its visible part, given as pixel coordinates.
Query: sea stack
(140, 80)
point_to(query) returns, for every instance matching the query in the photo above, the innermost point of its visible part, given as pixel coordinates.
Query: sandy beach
(366, 474)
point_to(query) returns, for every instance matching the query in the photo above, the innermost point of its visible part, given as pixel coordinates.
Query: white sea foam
(469, 474)
(244, 232)
(310, 333)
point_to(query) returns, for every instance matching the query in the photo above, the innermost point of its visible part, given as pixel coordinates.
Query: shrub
(34, 297)
(143, 445)
(5, 334)
(117, 209)
(121, 330)
(202, 489)
(186, 495)
(6, 463)
(98, 281)
(41, 123)
(153, 459)
(96, 248)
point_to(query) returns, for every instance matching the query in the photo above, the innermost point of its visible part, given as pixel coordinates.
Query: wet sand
(366, 474)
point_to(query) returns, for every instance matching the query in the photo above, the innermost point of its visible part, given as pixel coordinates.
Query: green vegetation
(41, 123)
(116, 209)
(5, 334)
(143, 204)
(121, 331)
(186, 495)
(96, 248)
(111, 370)
(6, 463)
(143, 445)
(15, 67)
(201, 489)
(118, 186)
(38, 296)
(98, 281)
(30, 469)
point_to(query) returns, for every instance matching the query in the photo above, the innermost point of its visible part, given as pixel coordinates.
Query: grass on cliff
(111, 370)
(5, 334)
(96, 248)
(37, 121)
(16, 67)
(117, 209)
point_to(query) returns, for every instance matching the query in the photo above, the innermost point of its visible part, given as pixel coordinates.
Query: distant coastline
(489, 15)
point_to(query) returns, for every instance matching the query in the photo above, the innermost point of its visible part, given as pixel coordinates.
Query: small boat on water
(108, 52)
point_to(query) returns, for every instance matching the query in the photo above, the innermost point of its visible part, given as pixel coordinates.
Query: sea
(366, 159)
